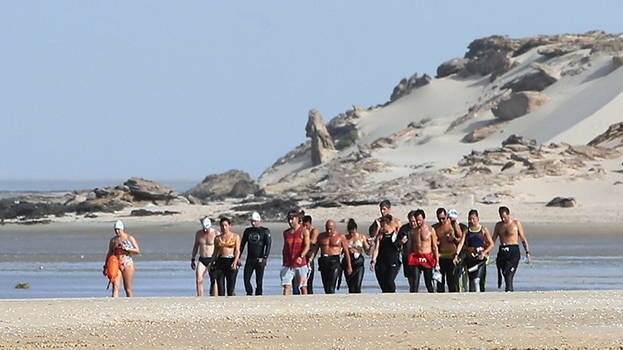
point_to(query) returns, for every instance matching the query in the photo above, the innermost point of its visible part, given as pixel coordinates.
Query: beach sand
(522, 320)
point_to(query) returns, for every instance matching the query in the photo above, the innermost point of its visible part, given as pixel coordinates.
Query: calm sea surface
(66, 260)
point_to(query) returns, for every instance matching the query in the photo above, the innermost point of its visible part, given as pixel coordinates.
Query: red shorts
(425, 260)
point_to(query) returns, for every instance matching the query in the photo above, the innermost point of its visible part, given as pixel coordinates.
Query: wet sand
(522, 320)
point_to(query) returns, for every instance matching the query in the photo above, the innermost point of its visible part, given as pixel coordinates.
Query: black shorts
(205, 260)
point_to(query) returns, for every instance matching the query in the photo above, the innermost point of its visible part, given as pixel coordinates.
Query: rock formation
(518, 104)
(536, 80)
(612, 138)
(233, 183)
(142, 189)
(322, 147)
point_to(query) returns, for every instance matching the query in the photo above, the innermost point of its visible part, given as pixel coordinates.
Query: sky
(180, 90)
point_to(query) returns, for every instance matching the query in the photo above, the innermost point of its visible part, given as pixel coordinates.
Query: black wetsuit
(449, 273)
(507, 262)
(330, 270)
(259, 241)
(355, 279)
(225, 275)
(476, 269)
(406, 268)
(310, 279)
(388, 261)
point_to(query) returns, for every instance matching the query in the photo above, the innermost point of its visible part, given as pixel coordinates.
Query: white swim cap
(119, 225)
(452, 213)
(256, 216)
(206, 223)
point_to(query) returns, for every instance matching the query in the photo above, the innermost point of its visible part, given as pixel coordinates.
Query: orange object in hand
(112, 269)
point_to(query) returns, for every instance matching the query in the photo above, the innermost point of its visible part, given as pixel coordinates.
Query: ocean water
(66, 261)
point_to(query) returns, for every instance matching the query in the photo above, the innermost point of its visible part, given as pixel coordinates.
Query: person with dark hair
(423, 255)
(510, 232)
(313, 238)
(259, 241)
(406, 230)
(385, 208)
(331, 244)
(386, 257)
(461, 273)
(449, 240)
(479, 244)
(357, 245)
(227, 251)
(295, 248)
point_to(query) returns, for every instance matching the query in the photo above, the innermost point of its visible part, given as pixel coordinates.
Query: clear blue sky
(182, 89)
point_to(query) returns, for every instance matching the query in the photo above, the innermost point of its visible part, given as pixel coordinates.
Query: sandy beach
(527, 320)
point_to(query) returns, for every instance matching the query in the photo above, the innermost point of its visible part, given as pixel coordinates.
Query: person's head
(351, 226)
(306, 221)
(386, 223)
(442, 215)
(119, 227)
(453, 214)
(419, 217)
(330, 226)
(411, 217)
(293, 218)
(386, 207)
(206, 223)
(225, 224)
(256, 219)
(505, 214)
(473, 218)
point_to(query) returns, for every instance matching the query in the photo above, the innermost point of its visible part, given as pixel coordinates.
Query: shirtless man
(406, 230)
(385, 208)
(509, 231)
(204, 244)
(461, 273)
(449, 241)
(295, 247)
(313, 236)
(423, 255)
(331, 244)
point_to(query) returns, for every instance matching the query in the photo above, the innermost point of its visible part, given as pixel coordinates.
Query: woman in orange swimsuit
(122, 245)
(227, 253)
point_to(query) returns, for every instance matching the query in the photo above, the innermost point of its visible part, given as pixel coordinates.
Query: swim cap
(256, 216)
(206, 223)
(119, 225)
(452, 213)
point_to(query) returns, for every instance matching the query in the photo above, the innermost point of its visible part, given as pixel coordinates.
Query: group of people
(448, 253)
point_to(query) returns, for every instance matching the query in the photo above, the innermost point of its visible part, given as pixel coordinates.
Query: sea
(65, 260)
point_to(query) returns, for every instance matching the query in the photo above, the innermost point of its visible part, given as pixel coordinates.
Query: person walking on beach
(450, 242)
(385, 207)
(313, 237)
(357, 245)
(123, 245)
(509, 231)
(296, 243)
(204, 245)
(259, 241)
(331, 244)
(423, 254)
(461, 272)
(386, 257)
(405, 230)
(479, 244)
(227, 256)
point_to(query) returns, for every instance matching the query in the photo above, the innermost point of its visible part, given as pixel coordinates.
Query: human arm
(434, 246)
(234, 264)
(488, 241)
(349, 268)
(457, 232)
(135, 247)
(375, 253)
(524, 240)
(193, 265)
(268, 241)
(459, 247)
(366, 246)
(243, 242)
(108, 254)
(306, 246)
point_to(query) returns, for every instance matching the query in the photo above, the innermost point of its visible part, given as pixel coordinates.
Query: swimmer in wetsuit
(423, 255)
(331, 244)
(450, 242)
(123, 245)
(313, 236)
(204, 245)
(479, 244)
(385, 207)
(357, 245)
(259, 241)
(386, 257)
(227, 251)
(510, 232)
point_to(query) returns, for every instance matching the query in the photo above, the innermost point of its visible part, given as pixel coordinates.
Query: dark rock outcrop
(450, 67)
(537, 80)
(219, 186)
(148, 190)
(562, 202)
(145, 212)
(519, 104)
(617, 61)
(322, 146)
(405, 86)
(611, 138)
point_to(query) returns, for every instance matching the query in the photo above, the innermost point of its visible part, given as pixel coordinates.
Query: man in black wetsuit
(330, 245)
(259, 241)
(510, 231)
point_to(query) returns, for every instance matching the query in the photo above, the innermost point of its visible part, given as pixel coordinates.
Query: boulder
(274, 210)
(482, 132)
(519, 140)
(322, 146)
(496, 62)
(617, 61)
(536, 80)
(218, 186)
(519, 104)
(143, 189)
(243, 188)
(562, 202)
(450, 67)
(405, 86)
(611, 138)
